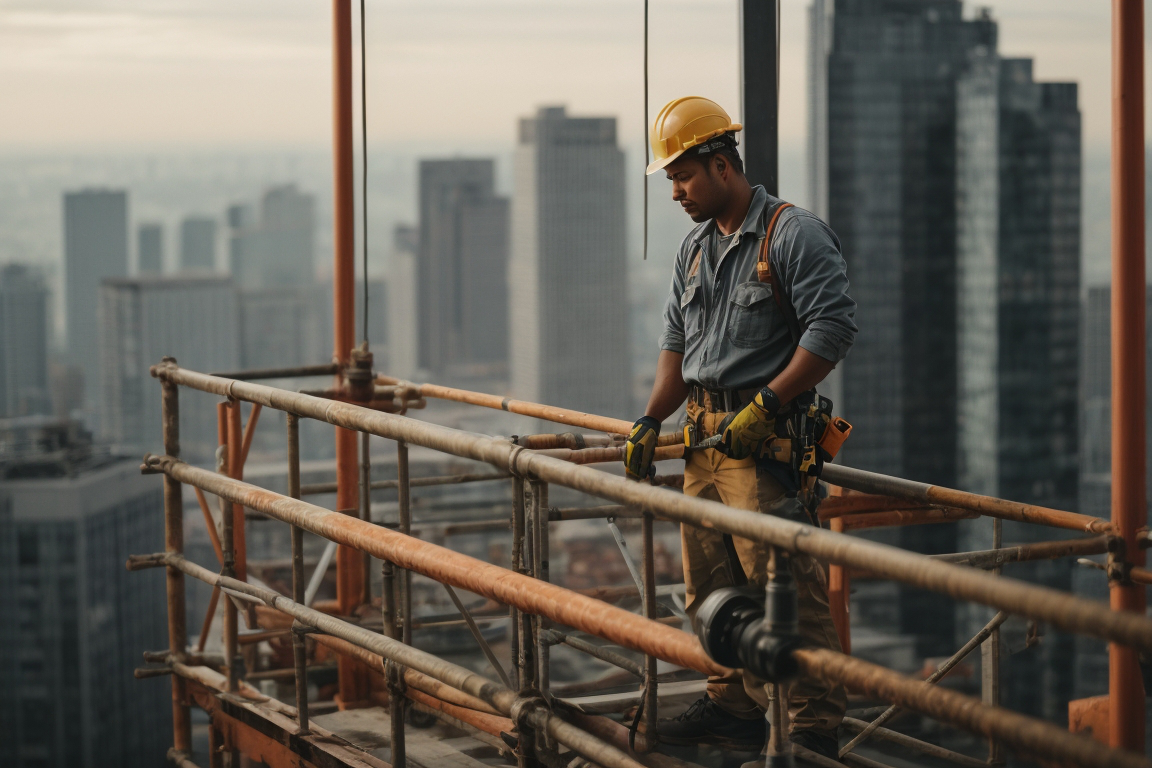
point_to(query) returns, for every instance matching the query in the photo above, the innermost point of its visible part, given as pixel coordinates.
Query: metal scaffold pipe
(1129, 495)
(1058, 609)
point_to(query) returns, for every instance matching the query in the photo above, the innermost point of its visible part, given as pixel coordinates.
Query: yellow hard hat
(685, 123)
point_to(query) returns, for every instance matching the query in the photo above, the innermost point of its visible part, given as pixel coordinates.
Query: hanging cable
(644, 135)
(364, 161)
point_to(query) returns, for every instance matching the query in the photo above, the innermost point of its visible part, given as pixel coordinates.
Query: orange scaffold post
(1129, 511)
(349, 564)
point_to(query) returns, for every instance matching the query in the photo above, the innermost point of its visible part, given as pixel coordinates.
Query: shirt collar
(753, 222)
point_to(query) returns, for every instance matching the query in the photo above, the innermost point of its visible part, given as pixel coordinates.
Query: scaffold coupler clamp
(1118, 568)
(359, 376)
(527, 702)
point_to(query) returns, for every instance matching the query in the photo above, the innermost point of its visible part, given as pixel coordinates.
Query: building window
(28, 546)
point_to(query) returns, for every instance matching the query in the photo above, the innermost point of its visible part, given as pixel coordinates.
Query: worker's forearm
(804, 371)
(669, 390)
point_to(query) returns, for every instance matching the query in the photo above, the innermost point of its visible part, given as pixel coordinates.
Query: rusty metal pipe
(174, 579)
(1044, 550)
(526, 408)
(902, 517)
(1060, 610)
(327, 369)
(313, 489)
(1129, 495)
(871, 482)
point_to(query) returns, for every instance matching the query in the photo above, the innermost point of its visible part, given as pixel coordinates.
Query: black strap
(739, 578)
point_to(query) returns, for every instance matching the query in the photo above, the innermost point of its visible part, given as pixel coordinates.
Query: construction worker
(758, 315)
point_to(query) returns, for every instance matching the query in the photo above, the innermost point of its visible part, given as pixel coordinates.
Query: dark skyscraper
(1018, 304)
(95, 248)
(198, 244)
(891, 133)
(150, 249)
(462, 269)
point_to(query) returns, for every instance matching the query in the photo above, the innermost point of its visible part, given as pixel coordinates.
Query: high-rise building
(95, 247)
(23, 342)
(890, 139)
(463, 266)
(78, 621)
(190, 317)
(274, 249)
(567, 276)
(150, 249)
(198, 244)
(1018, 325)
(288, 224)
(1018, 226)
(403, 342)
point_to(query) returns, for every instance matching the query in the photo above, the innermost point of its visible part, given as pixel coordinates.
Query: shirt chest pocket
(692, 309)
(752, 314)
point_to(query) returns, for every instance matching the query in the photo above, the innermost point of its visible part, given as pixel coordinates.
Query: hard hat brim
(662, 163)
(657, 165)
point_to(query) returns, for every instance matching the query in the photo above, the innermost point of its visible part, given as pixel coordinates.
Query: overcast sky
(166, 74)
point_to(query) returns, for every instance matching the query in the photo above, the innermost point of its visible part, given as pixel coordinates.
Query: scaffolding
(519, 714)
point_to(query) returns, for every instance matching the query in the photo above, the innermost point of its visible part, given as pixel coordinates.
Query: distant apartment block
(150, 249)
(193, 318)
(568, 277)
(23, 342)
(198, 244)
(95, 248)
(77, 622)
(462, 291)
(274, 249)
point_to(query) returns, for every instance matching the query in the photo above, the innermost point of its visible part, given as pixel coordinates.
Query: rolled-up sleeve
(672, 339)
(807, 254)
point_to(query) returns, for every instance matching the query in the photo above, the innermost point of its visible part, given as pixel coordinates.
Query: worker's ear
(722, 166)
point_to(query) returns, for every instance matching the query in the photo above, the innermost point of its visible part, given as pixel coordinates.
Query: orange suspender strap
(764, 262)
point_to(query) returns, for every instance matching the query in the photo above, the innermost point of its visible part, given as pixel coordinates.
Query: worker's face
(700, 187)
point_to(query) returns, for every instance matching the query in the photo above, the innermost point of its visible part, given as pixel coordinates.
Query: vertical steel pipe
(840, 596)
(228, 627)
(366, 509)
(299, 649)
(540, 530)
(404, 496)
(349, 565)
(1129, 497)
(174, 578)
(236, 472)
(651, 716)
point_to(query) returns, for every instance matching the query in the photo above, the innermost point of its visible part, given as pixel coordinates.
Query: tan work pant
(710, 474)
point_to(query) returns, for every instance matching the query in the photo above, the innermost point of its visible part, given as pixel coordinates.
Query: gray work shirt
(726, 322)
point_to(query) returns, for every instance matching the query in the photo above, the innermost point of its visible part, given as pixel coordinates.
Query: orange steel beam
(236, 472)
(249, 432)
(1129, 496)
(349, 563)
(208, 616)
(210, 525)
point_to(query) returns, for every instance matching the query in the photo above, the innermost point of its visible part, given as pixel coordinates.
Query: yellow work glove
(641, 447)
(745, 431)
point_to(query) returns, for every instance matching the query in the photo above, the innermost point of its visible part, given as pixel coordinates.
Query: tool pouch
(835, 433)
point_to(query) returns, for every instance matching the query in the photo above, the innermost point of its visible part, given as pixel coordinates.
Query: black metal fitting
(742, 630)
(359, 376)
